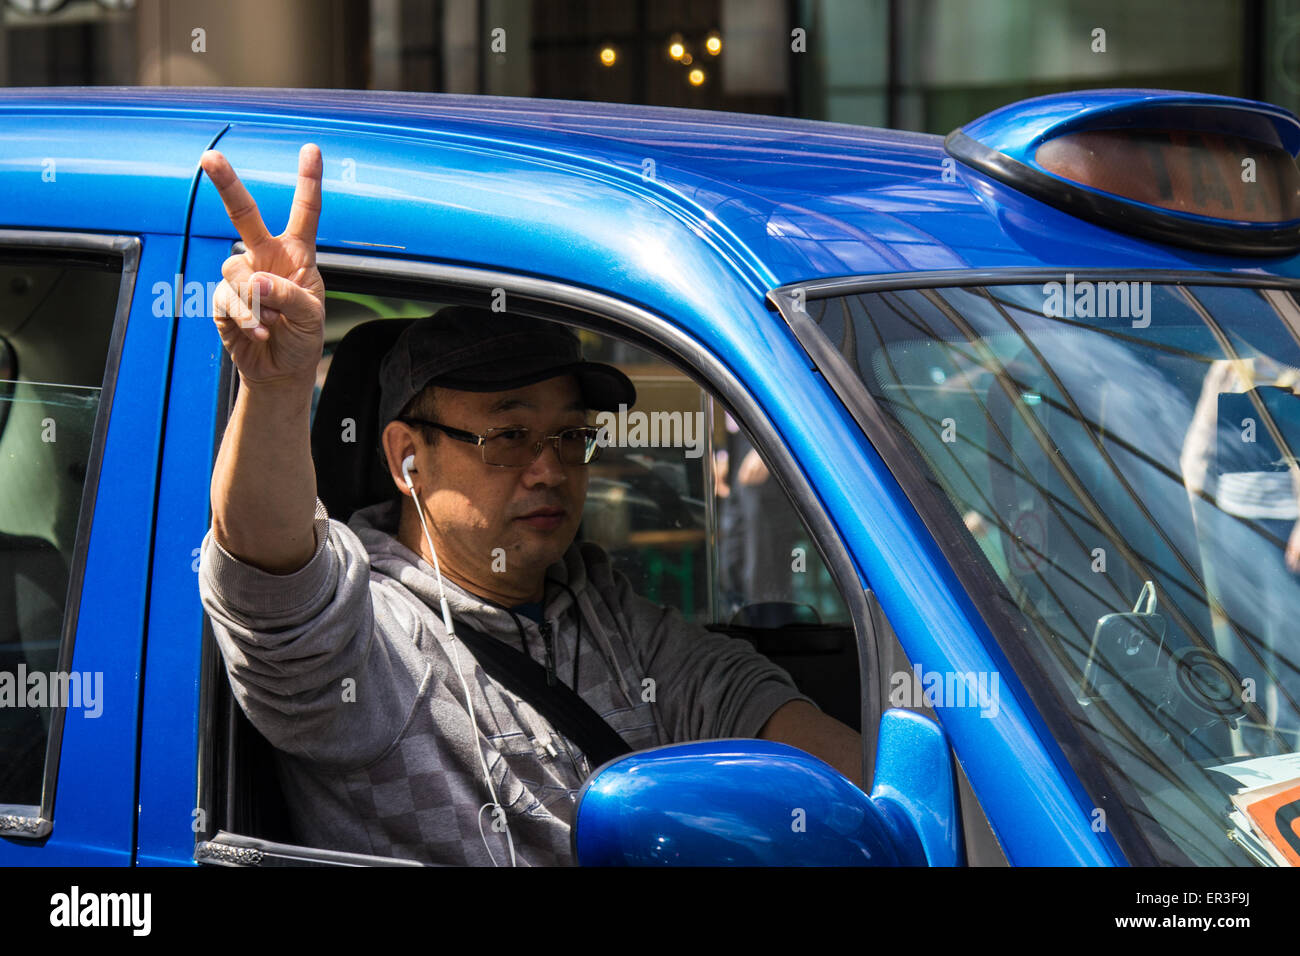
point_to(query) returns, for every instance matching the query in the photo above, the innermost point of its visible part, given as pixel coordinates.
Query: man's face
(531, 514)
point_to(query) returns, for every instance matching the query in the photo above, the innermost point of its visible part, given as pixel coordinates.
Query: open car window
(732, 559)
(680, 497)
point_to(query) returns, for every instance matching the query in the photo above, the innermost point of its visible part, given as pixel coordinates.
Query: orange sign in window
(1274, 815)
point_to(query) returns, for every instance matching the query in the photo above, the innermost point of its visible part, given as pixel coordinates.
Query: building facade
(927, 65)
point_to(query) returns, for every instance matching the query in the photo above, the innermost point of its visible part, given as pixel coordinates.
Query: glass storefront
(926, 65)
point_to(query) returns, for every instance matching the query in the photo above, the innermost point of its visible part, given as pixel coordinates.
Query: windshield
(1119, 458)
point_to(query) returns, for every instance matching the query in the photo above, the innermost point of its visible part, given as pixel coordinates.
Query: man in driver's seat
(333, 634)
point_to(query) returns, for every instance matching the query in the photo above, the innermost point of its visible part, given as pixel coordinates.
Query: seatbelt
(558, 703)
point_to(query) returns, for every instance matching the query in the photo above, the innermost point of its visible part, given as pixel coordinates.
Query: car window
(690, 511)
(735, 561)
(56, 320)
(1119, 459)
(679, 497)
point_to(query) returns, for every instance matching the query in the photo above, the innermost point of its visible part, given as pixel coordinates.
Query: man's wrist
(286, 401)
(280, 387)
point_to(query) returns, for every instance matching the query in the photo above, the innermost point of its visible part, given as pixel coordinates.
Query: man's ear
(399, 440)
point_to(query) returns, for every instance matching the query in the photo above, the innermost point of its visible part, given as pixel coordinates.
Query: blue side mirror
(762, 803)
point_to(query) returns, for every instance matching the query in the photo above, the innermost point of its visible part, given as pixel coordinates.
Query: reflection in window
(1131, 485)
(55, 323)
(679, 498)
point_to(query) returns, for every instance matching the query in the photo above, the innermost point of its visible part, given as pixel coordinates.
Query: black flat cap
(477, 350)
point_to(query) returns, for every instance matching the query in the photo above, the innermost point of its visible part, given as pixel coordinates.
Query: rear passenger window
(56, 321)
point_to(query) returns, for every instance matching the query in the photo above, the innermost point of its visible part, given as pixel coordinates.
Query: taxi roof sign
(1207, 172)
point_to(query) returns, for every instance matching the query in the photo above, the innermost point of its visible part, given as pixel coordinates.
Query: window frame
(565, 302)
(8, 368)
(35, 822)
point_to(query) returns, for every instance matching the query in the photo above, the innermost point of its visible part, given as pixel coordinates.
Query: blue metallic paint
(764, 803)
(170, 720)
(458, 205)
(914, 777)
(70, 171)
(878, 200)
(733, 803)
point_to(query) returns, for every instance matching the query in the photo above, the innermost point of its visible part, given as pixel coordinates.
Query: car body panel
(448, 203)
(169, 812)
(881, 201)
(70, 170)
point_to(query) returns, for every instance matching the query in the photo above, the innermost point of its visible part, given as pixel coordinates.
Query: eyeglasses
(513, 446)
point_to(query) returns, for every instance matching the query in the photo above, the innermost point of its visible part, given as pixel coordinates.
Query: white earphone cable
(455, 656)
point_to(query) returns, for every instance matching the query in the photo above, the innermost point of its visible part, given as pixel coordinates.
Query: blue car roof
(793, 200)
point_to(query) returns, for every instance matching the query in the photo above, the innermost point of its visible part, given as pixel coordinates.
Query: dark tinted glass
(55, 325)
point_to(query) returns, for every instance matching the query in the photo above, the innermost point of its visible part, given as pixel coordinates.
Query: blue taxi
(986, 439)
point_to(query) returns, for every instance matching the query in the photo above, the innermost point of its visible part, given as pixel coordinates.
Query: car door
(84, 360)
(496, 216)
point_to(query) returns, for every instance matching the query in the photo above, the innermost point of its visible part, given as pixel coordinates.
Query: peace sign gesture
(270, 306)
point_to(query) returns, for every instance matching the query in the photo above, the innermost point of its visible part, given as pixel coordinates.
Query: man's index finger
(237, 200)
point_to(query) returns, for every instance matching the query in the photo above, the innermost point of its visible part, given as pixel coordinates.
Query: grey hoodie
(346, 668)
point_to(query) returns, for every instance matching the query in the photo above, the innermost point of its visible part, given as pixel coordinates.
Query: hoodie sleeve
(305, 660)
(707, 685)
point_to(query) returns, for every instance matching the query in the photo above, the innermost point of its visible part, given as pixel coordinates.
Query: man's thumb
(279, 293)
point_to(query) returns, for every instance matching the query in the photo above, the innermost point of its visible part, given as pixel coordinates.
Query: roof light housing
(1214, 173)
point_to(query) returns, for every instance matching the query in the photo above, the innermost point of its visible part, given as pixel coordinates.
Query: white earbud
(407, 464)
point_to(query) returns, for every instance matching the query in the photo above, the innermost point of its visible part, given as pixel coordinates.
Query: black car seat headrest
(350, 473)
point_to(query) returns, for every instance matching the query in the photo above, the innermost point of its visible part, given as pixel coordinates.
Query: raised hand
(270, 306)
